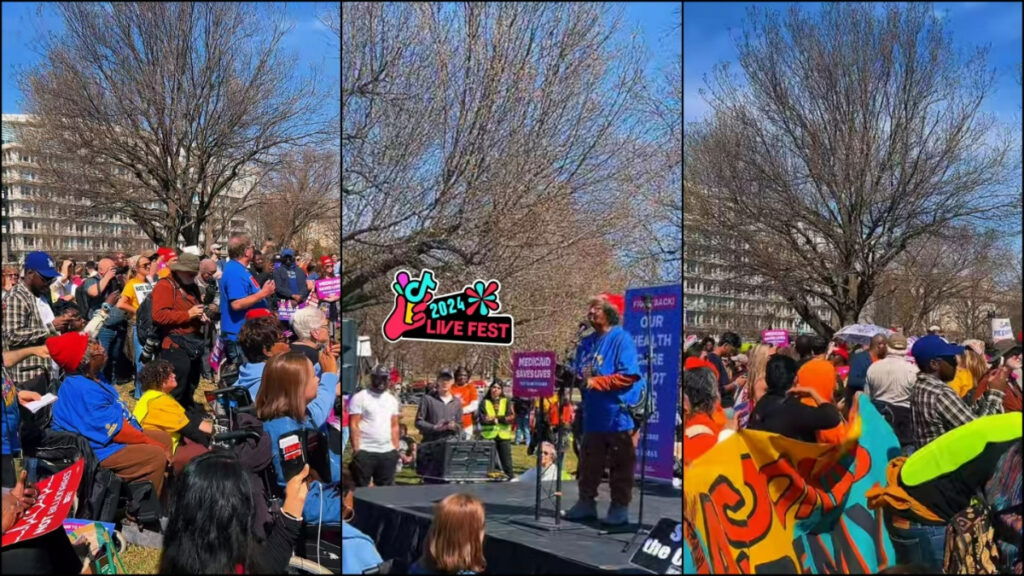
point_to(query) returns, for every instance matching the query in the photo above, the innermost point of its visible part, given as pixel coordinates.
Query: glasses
(146, 263)
(548, 453)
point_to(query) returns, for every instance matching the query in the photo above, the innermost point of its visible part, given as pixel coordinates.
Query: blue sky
(707, 41)
(657, 25)
(310, 42)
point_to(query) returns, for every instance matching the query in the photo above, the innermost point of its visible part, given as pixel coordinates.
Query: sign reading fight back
(666, 335)
(470, 316)
(533, 374)
(760, 503)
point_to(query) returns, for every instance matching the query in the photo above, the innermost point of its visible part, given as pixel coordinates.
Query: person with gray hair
(701, 432)
(547, 464)
(310, 327)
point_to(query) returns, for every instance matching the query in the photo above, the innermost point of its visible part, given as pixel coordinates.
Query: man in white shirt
(373, 424)
(889, 382)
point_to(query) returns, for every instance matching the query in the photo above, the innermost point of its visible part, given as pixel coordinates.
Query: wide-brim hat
(187, 262)
(1006, 347)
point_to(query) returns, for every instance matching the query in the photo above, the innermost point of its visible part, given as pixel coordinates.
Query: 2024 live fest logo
(469, 316)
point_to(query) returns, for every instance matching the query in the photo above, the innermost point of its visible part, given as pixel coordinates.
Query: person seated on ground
(406, 449)
(92, 408)
(547, 464)
(158, 410)
(780, 409)
(455, 540)
(292, 397)
(311, 330)
(50, 553)
(358, 552)
(209, 528)
(260, 338)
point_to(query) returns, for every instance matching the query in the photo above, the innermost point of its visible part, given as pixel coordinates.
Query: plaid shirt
(22, 327)
(936, 409)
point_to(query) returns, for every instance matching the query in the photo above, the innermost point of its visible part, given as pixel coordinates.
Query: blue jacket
(250, 376)
(357, 551)
(316, 414)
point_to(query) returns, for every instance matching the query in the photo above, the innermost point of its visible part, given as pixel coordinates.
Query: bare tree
(932, 274)
(156, 110)
(856, 134)
(303, 190)
(472, 131)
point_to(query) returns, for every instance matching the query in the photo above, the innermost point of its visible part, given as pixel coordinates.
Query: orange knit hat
(820, 375)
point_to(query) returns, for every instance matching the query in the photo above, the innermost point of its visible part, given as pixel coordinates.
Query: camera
(149, 350)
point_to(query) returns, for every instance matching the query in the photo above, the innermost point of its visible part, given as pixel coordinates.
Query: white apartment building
(35, 217)
(718, 297)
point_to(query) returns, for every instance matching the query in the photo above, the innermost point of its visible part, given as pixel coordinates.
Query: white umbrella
(862, 333)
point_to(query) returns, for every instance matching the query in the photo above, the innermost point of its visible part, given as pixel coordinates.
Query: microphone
(647, 301)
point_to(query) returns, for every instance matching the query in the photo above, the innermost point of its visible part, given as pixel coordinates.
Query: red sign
(56, 495)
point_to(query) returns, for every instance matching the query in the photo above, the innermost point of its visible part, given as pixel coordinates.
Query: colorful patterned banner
(763, 503)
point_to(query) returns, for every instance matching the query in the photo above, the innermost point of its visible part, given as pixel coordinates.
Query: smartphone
(293, 455)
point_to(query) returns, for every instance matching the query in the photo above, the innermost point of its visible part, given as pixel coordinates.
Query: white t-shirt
(375, 411)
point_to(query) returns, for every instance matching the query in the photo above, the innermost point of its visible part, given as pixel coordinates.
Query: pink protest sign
(328, 288)
(779, 338)
(533, 374)
(56, 495)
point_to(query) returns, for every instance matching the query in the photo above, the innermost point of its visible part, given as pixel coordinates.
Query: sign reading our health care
(533, 374)
(666, 337)
(760, 503)
(779, 338)
(470, 316)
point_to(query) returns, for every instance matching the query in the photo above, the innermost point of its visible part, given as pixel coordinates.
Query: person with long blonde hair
(455, 540)
(755, 386)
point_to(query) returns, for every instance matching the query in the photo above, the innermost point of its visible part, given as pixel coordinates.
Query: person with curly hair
(260, 338)
(158, 410)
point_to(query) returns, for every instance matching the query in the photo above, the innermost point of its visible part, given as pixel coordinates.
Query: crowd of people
(600, 429)
(954, 409)
(152, 325)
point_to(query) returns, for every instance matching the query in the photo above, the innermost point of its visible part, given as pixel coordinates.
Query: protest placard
(779, 338)
(662, 551)
(55, 496)
(328, 288)
(533, 374)
(1001, 329)
(666, 337)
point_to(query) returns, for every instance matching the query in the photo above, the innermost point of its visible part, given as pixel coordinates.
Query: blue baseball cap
(933, 346)
(41, 263)
(287, 252)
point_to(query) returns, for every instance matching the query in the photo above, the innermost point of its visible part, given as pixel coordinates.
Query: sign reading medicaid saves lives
(533, 374)
(662, 551)
(779, 338)
(759, 503)
(55, 496)
(328, 288)
(666, 336)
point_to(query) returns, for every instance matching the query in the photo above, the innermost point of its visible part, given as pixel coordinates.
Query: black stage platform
(397, 519)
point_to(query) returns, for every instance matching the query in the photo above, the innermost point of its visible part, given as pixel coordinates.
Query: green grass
(137, 559)
(520, 461)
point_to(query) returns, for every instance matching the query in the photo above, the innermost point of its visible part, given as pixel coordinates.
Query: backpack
(82, 299)
(144, 326)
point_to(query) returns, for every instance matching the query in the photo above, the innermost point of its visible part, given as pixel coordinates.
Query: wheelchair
(317, 545)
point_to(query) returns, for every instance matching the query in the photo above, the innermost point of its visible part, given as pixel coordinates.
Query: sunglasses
(548, 453)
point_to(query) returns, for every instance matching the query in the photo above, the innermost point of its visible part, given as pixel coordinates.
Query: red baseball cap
(618, 301)
(68, 349)
(166, 253)
(257, 313)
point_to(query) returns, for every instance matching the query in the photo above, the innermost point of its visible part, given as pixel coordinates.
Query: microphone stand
(643, 426)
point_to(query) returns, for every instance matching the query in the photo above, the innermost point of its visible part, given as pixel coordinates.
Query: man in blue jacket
(290, 280)
(607, 362)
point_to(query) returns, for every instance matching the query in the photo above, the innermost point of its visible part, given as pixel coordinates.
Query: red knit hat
(68, 349)
(618, 301)
(257, 313)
